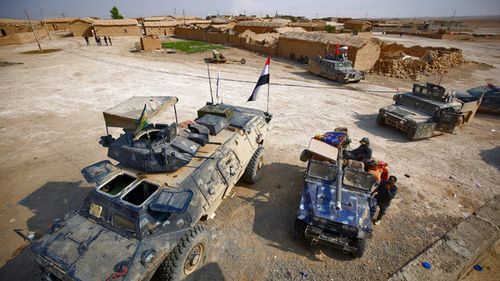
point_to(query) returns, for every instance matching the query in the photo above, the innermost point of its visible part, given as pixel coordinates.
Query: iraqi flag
(263, 79)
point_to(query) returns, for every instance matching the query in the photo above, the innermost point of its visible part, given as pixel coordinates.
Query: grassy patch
(191, 46)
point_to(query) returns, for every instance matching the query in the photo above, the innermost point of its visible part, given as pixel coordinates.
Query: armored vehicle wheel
(411, 134)
(380, 120)
(253, 170)
(243, 61)
(360, 245)
(299, 229)
(187, 256)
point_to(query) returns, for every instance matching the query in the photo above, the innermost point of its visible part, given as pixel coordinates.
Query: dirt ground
(51, 119)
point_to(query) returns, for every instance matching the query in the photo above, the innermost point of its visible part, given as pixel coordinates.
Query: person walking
(383, 196)
(109, 39)
(87, 40)
(106, 40)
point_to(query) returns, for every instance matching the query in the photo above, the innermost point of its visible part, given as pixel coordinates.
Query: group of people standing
(98, 40)
(383, 194)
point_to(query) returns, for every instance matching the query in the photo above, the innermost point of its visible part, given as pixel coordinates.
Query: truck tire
(360, 245)
(254, 168)
(299, 229)
(243, 61)
(187, 256)
(380, 120)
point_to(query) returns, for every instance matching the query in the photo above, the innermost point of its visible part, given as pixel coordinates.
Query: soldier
(87, 40)
(383, 195)
(110, 43)
(106, 40)
(363, 153)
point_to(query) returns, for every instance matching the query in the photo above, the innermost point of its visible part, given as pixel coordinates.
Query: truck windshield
(358, 179)
(321, 170)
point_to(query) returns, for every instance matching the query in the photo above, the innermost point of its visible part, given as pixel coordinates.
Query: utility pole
(184, 16)
(175, 11)
(33, 29)
(62, 14)
(45, 24)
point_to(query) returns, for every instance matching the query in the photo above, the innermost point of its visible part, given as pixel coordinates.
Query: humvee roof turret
(427, 108)
(143, 214)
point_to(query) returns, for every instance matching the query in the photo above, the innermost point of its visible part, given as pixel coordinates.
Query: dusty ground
(51, 120)
(490, 264)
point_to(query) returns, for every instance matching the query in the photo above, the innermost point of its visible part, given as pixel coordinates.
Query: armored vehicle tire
(411, 134)
(380, 120)
(299, 229)
(360, 245)
(254, 168)
(341, 79)
(243, 61)
(305, 155)
(187, 256)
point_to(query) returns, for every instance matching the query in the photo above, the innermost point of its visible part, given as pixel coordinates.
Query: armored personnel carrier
(336, 69)
(143, 215)
(335, 203)
(426, 109)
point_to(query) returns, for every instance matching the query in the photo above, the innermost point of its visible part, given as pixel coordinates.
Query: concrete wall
(14, 27)
(112, 30)
(80, 28)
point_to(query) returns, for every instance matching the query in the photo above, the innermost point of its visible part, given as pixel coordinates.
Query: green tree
(115, 14)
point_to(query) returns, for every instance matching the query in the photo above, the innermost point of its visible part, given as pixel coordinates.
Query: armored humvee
(339, 70)
(427, 108)
(143, 214)
(335, 203)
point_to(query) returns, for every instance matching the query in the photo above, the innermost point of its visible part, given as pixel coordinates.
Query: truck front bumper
(316, 235)
(50, 271)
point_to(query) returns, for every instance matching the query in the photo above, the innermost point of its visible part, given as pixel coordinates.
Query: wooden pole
(33, 29)
(45, 24)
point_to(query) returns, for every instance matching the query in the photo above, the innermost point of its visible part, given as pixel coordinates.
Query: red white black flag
(263, 79)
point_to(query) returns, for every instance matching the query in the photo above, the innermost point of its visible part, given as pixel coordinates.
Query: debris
(12, 220)
(303, 273)
(427, 265)
(406, 175)
(493, 130)
(478, 185)
(478, 267)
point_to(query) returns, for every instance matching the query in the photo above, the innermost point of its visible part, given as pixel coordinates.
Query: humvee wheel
(254, 168)
(411, 134)
(380, 120)
(187, 256)
(360, 245)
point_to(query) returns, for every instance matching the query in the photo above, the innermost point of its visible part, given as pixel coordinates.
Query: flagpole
(268, 86)
(210, 84)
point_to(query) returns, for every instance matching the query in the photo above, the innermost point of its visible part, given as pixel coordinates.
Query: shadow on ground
(276, 204)
(491, 157)
(52, 200)
(368, 123)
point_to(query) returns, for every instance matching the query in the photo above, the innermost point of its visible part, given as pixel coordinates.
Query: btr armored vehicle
(143, 215)
(336, 69)
(335, 203)
(427, 108)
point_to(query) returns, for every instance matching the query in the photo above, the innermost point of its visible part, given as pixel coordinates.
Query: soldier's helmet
(365, 140)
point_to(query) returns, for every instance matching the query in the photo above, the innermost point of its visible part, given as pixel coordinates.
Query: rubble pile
(402, 62)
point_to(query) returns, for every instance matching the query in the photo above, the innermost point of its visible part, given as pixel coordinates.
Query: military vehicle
(143, 215)
(335, 203)
(218, 57)
(335, 68)
(426, 109)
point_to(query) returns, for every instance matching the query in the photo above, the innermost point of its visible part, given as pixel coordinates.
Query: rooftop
(116, 22)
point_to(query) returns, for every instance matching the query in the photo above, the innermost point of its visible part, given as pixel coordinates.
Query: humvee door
(449, 121)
